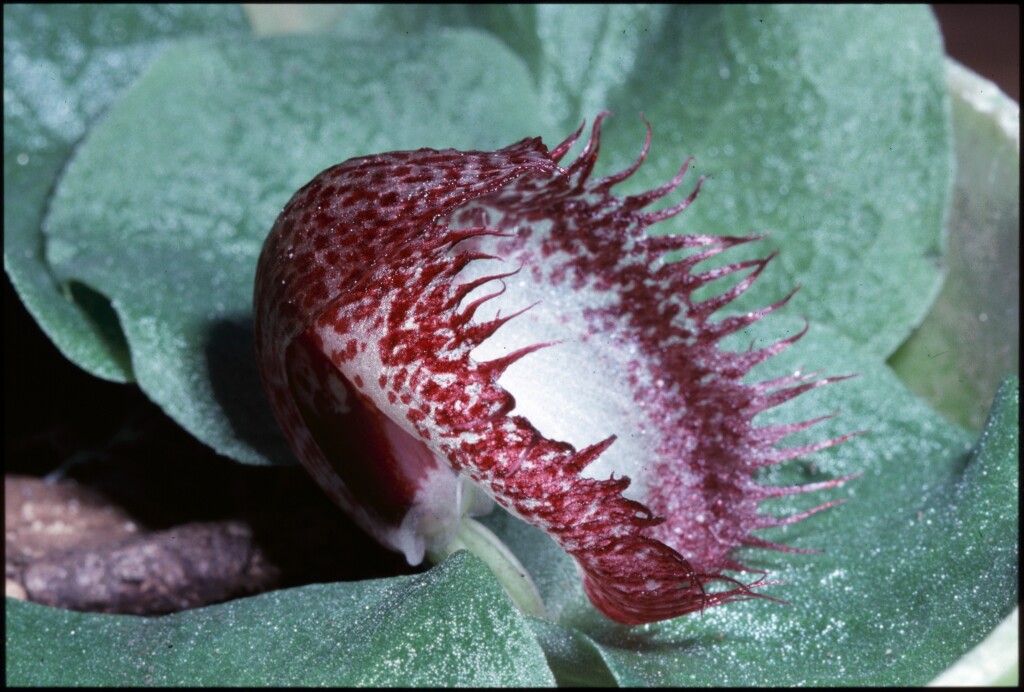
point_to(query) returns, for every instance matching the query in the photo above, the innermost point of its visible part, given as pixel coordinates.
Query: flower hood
(434, 323)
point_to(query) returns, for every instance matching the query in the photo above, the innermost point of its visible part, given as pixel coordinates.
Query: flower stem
(481, 541)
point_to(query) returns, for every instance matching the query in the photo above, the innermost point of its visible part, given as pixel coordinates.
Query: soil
(111, 507)
(127, 530)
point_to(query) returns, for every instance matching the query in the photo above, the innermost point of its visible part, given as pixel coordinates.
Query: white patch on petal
(577, 390)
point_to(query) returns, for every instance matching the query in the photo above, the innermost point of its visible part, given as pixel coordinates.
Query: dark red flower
(429, 322)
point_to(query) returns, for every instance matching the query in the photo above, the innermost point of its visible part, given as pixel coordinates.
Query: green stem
(481, 541)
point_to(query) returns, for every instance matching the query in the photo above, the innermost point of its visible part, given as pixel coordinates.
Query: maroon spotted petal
(430, 322)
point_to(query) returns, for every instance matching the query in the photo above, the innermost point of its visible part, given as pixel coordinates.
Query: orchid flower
(437, 329)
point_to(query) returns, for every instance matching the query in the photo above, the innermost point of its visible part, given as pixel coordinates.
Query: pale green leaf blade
(574, 658)
(63, 66)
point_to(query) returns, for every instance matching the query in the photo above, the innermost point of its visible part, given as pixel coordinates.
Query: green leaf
(843, 156)
(166, 206)
(920, 563)
(63, 66)
(451, 626)
(573, 657)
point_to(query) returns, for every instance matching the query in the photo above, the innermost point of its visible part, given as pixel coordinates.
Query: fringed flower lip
(431, 324)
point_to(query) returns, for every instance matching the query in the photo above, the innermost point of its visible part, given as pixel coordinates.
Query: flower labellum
(431, 324)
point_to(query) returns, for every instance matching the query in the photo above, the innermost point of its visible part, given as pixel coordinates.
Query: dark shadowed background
(985, 38)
